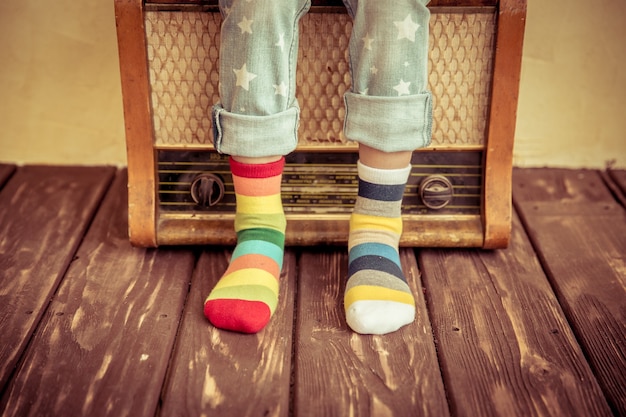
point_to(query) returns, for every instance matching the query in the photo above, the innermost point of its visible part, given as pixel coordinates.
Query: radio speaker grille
(183, 68)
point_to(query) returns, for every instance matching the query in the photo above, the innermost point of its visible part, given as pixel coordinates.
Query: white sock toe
(379, 316)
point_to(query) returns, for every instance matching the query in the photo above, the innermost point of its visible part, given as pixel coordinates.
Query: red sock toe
(237, 315)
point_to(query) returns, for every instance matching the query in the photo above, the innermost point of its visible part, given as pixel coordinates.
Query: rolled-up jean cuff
(389, 124)
(255, 136)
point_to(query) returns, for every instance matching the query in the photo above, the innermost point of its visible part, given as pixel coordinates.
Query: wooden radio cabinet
(180, 189)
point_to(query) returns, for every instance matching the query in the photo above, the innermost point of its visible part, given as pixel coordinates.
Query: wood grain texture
(580, 232)
(530, 330)
(103, 345)
(44, 213)
(221, 373)
(132, 48)
(314, 230)
(504, 344)
(6, 170)
(617, 178)
(502, 117)
(341, 373)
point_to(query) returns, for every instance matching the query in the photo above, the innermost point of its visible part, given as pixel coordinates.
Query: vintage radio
(180, 189)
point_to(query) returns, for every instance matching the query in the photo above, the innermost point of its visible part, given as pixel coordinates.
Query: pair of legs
(388, 112)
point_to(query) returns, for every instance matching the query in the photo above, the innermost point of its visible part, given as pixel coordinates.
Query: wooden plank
(44, 213)
(579, 231)
(342, 373)
(504, 344)
(221, 373)
(6, 170)
(104, 343)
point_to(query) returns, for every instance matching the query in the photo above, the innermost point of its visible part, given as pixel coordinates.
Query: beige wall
(572, 108)
(59, 83)
(60, 99)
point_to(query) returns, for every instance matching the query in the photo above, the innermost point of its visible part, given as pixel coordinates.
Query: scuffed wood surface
(579, 232)
(341, 373)
(103, 346)
(93, 326)
(504, 344)
(5, 172)
(44, 212)
(618, 177)
(216, 372)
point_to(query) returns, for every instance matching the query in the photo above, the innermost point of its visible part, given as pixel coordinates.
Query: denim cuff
(389, 124)
(255, 136)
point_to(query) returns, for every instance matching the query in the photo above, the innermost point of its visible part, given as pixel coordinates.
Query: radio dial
(436, 192)
(207, 189)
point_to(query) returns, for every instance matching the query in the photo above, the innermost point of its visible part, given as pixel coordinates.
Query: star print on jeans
(280, 89)
(281, 42)
(407, 28)
(244, 77)
(367, 42)
(245, 25)
(402, 88)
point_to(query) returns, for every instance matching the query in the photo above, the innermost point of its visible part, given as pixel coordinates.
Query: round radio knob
(436, 191)
(207, 189)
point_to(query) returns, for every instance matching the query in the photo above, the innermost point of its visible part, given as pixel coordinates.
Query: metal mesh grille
(183, 67)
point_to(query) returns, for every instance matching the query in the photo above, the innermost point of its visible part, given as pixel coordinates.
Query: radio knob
(207, 189)
(436, 192)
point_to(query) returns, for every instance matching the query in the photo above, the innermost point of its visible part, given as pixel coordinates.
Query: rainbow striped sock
(378, 299)
(245, 298)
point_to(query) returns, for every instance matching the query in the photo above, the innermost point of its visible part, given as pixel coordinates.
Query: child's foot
(246, 296)
(377, 299)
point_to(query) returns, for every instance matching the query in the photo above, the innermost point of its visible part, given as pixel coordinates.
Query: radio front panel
(199, 183)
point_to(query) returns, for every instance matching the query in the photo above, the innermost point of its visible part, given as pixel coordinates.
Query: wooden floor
(91, 326)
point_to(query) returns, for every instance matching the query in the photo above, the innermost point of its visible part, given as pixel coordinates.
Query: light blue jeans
(389, 107)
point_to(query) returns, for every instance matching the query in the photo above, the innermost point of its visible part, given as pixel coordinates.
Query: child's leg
(256, 123)
(389, 114)
(257, 115)
(246, 296)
